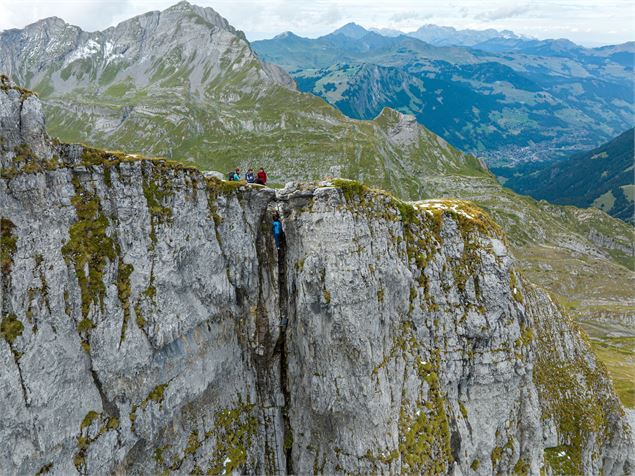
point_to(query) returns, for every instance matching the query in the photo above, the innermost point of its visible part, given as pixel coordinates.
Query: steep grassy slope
(294, 136)
(602, 177)
(147, 86)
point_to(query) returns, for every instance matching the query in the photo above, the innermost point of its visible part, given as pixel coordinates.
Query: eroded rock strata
(150, 325)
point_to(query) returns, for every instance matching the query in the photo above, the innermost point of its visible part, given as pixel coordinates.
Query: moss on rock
(8, 245)
(87, 436)
(90, 417)
(568, 391)
(156, 395)
(513, 284)
(351, 189)
(89, 247)
(234, 429)
(424, 429)
(11, 328)
(157, 189)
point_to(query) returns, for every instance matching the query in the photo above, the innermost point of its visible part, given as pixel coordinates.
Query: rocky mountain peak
(351, 30)
(286, 34)
(182, 5)
(49, 24)
(185, 9)
(182, 46)
(179, 23)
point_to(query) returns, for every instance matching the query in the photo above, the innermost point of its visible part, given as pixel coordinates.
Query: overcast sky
(589, 22)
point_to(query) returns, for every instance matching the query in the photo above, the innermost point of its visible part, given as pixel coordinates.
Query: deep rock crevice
(281, 349)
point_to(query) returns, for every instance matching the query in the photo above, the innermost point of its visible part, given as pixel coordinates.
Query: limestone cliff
(149, 325)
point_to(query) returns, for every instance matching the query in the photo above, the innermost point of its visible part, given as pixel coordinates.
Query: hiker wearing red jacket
(262, 176)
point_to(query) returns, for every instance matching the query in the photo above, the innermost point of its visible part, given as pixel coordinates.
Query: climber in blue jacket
(276, 227)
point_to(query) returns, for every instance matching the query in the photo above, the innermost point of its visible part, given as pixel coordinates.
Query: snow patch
(89, 49)
(109, 54)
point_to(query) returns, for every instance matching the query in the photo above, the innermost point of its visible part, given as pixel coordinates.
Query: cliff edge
(149, 325)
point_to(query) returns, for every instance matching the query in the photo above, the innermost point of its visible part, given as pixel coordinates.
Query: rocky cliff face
(147, 86)
(150, 325)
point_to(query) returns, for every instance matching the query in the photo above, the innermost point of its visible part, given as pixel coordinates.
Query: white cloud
(609, 21)
(504, 12)
(332, 15)
(89, 14)
(410, 16)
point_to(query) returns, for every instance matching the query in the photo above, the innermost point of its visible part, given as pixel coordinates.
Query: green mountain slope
(147, 86)
(602, 177)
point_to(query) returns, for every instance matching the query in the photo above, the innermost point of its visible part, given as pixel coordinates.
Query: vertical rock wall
(148, 325)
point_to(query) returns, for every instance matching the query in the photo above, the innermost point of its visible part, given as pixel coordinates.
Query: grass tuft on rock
(8, 242)
(11, 328)
(89, 248)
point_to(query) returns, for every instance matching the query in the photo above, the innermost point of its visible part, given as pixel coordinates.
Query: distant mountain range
(602, 177)
(495, 41)
(447, 35)
(507, 98)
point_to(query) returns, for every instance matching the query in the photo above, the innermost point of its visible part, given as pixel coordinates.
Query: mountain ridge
(537, 102)
(181, 340)
(447, 35)
(243, 118)
(443, 35)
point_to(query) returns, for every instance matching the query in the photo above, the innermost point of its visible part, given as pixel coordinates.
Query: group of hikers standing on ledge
(260, 177)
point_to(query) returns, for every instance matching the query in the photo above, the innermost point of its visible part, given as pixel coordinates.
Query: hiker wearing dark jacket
(276, 228)
(262, 176)
(234, 175)
(249, 176)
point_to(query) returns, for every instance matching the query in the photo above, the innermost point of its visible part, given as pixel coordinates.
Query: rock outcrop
(150, 325)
